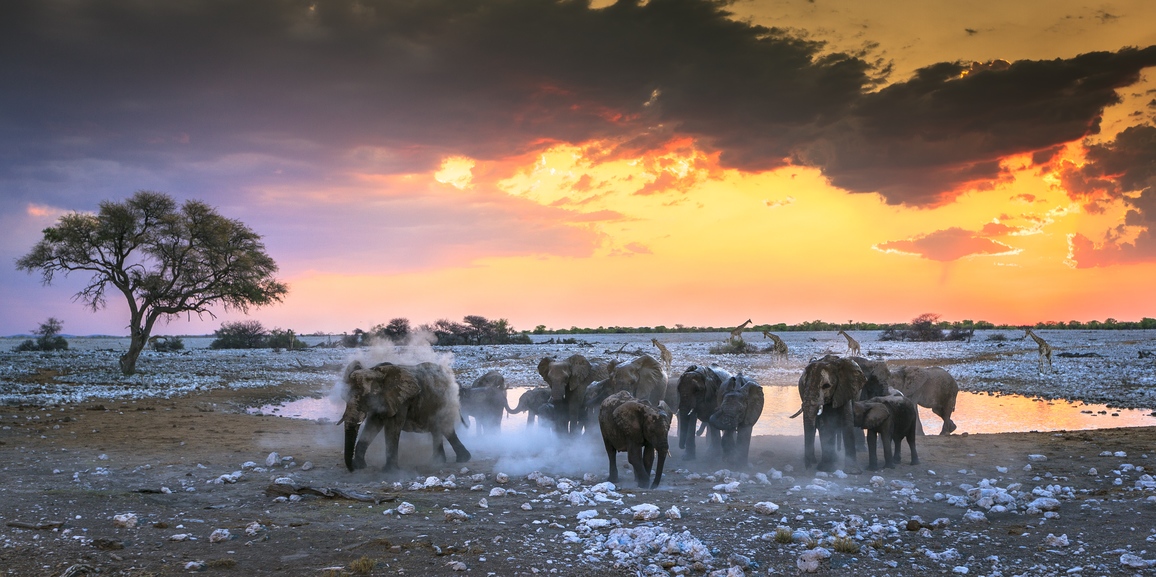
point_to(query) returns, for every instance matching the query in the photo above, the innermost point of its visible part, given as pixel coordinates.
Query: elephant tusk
(797, 413)
(820, 412)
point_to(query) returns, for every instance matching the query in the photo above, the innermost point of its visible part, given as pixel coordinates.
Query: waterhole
(974, 413)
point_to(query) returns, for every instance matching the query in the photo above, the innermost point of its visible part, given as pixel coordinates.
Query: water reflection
(974, 413)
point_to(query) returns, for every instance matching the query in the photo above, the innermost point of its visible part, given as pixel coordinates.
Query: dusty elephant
(415, 398)
(485, 401)
(638, 429)
(698, 397)
(568, 380)
(643, 377)
(828, 388)
(893, 418)
(930, 387)
(535, 403)
(737, 413)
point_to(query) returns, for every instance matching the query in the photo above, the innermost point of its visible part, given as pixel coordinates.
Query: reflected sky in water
(975, 413)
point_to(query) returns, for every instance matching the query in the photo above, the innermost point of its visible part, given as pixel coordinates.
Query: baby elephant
(736, 415)
(637, 428)
(893, 417)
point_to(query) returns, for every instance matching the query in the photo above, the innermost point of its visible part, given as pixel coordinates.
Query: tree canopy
(163, 259)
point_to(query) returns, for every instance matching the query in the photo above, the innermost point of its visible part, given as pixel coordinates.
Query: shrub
(168, 344)
(476, 330)
(845, 545)
(47, 337)
(734, 347)
(998, 337)
(784, 536)
(284, 339)
(239, 335)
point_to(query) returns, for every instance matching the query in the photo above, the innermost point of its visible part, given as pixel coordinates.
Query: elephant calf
(485, 401)
(892, 417)
(639, 430)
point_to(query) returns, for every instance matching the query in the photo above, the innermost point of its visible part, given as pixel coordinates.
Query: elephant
(643, 377)
(638, 429)
(878, 378)
(535, 403)
(931, 387)
(568, 380)
(736, 415)
(485, 401)
(698, 397)
(828, 388)
(415, 398)
(892, 417)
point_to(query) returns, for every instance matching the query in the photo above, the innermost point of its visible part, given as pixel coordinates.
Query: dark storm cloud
(283, 89)
(1121, 169)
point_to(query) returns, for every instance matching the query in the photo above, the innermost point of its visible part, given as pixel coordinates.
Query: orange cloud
(948, 245)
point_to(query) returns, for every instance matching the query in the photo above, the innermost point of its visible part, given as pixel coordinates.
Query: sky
(594, 164)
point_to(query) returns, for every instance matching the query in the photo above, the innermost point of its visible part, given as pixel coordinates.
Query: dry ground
(67, 471)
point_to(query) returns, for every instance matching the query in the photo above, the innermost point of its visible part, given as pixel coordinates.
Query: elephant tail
(797, 413)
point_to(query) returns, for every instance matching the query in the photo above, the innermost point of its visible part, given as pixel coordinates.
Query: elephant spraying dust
(415, 398)
(638, 429)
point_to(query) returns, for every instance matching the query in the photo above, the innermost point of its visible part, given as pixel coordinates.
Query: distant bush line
(820, 326)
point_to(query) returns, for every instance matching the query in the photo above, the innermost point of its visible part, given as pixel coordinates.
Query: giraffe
(667, 358)
(737, 332)
(852, 344)
(780, 348)
(1045, 348)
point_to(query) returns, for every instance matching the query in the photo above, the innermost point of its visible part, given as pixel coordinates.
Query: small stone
(126, 520)
(219, 535)
(307, 466)
(483, 503)
(456, 515)
(406, 508)
(272, 459)
(673, 513)
(1037, 458)
(766, 508)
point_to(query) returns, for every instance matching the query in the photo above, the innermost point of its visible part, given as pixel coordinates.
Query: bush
(476, 330)
(239, 335)
(167, 344)
(284, 339)
(734, 347)
(47, 337)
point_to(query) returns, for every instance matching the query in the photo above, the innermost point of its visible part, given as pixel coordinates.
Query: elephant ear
(544, 367)
(877, 415)
(849, 380)
(754, 402)
(398, 388)
(580, 371)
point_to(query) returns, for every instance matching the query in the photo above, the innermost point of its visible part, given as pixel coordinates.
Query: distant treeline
(915, 325)
(473, 330)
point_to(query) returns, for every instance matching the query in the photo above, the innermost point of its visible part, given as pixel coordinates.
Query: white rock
(456, 515)
(645, 512)
(502, 478)
(1053, 541)
(483, 503)
(195, 566)
(1045, 504)
(718, 498)
(180, 537)
(126, 520)
(1037, 458)
(527, 507)
(456, 566)
(307, 466)
(497, 492)
(809, 560)
(219, 535)
(974, 517)
(961, 569)
(1136, 561)
(673, 512)
(272, 459)
(253, 528)
(587, 514)
(766, 508)
(406, 508)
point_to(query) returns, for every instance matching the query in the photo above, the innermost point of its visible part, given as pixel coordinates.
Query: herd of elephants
(634, 402)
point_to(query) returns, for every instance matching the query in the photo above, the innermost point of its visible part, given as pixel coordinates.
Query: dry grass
(363, 565)
(845, 545)
(783, 536)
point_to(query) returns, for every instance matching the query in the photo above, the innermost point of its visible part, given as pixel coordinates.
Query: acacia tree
(164, 260)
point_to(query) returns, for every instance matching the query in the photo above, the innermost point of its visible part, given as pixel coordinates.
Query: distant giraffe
(1045, 348)
(667, 358)
(780, 348)
(737, 332)
(852, 344)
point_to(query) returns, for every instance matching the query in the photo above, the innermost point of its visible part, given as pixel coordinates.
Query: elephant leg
(687, 438)
(728, 445)
(392, 439)
(872, 456)
(911, 445)
(372, 427)
(850, 462)
(888, 454)
(658, 468)
(634, 457)
(743, 446)
(612, 455)
(948, 424)
(647, 458)
(439, 447)
(460, 453)
(827, 435)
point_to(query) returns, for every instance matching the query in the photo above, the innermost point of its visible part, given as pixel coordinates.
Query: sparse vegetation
(167, 344)
(363, 565)
(476, 330)
(845, 545)
(734, 347)
(252, 335)
(47, 338)
(784, 535)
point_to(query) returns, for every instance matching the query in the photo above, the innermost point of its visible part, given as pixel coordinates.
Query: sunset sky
(585, 164)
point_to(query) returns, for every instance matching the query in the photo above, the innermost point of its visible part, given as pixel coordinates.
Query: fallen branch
(38, 526)
(284, 490)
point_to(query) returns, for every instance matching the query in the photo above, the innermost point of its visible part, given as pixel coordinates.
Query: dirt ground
(69, 472)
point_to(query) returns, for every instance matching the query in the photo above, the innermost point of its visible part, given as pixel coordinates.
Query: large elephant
(698, 397)
(568, 380)
(416, 398)
(638, 429)
(931, 387)
(485, 401)
(737, 413)
(535, 403)
(893, 418)
(643, 377)
(828, 388)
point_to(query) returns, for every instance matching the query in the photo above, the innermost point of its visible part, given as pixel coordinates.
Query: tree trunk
(128, 360)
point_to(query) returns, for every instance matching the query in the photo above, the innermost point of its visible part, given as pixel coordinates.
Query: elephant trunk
(351, 429)
(724, 421)
(685, 428)
(662, 451)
